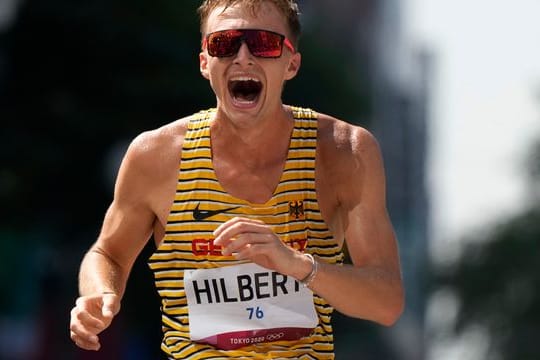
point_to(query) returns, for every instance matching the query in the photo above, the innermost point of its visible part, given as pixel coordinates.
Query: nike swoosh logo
(200, 215)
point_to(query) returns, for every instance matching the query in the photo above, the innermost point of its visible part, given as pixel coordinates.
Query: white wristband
(314, 268)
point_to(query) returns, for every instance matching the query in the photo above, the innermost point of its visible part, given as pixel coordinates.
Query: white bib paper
(235, 306)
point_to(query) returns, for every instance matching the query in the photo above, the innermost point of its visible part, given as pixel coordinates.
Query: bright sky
(486, 106)
(485, 115)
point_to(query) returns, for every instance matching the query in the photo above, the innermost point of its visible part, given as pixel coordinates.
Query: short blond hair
(289, 8)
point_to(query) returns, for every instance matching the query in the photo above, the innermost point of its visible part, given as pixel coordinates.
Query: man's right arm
(126, 228)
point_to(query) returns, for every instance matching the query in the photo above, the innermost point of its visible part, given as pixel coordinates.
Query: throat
(256, 186)
(249, 160)
(250, 173)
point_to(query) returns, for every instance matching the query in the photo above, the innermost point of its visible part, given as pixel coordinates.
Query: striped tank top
(201, 205)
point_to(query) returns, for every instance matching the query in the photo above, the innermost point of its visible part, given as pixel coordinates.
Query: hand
(90, 316)
(255, 241)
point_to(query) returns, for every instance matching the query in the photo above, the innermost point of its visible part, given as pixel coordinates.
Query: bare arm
(371, 288)
(106, 266)
(126, 228)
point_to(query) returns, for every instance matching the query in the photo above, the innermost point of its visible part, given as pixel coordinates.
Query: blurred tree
(498, 282)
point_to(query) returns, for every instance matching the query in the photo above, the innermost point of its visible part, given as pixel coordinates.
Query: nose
(243, 56)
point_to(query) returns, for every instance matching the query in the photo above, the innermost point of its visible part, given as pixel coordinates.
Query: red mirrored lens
(264, 43)
(224, 43)
(261, 43)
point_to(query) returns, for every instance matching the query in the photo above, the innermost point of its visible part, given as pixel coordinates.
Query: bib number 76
(255, 312)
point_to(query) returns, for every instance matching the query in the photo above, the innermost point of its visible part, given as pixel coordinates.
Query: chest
(246, 181)
(256, 185)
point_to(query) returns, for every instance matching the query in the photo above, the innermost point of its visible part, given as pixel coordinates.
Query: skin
(350, 184)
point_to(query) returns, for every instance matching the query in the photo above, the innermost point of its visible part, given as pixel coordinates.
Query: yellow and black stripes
(201, 205)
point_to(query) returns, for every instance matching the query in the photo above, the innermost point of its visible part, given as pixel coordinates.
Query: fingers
(247, 243)
(85, 341)
(237, 223)
(84, 329)
(231, 229)
(81, 316)
(253, 240)
(252, 251)
(238, 235)
(90, 316)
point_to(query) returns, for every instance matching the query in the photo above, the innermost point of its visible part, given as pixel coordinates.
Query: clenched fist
(90, 316)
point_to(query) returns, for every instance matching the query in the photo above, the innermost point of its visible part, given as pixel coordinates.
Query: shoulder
(158, 143)
(349, 159)
(153, 154)
(344, 141)
(167, 138)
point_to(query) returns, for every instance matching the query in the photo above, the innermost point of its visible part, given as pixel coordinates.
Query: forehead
(267, 17)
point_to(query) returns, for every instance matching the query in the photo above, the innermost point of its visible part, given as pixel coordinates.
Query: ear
(203, 65)
(294, 66)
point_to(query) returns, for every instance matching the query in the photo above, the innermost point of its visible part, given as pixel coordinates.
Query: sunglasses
(261, 43)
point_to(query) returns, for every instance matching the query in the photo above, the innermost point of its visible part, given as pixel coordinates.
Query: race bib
(235, 306)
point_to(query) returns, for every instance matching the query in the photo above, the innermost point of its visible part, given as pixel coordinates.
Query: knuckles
(84, 327)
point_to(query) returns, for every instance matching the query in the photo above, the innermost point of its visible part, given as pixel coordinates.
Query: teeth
(244, 78)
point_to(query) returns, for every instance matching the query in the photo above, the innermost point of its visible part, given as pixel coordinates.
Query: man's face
(246, 85)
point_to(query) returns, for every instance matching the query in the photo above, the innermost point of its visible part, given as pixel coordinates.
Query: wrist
(314, 268)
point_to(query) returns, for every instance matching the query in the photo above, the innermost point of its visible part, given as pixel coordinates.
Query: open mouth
(245, 90)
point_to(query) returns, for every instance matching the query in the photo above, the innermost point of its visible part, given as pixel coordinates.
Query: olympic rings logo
(275, 336)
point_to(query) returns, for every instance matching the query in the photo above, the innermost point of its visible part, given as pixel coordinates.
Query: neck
(255, 141)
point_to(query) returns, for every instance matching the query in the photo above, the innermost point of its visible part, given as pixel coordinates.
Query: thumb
(110, 305)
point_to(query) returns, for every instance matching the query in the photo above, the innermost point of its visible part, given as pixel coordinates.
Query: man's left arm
(371, 288)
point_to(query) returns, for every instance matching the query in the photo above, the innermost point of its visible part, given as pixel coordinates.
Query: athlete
(250, 205)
